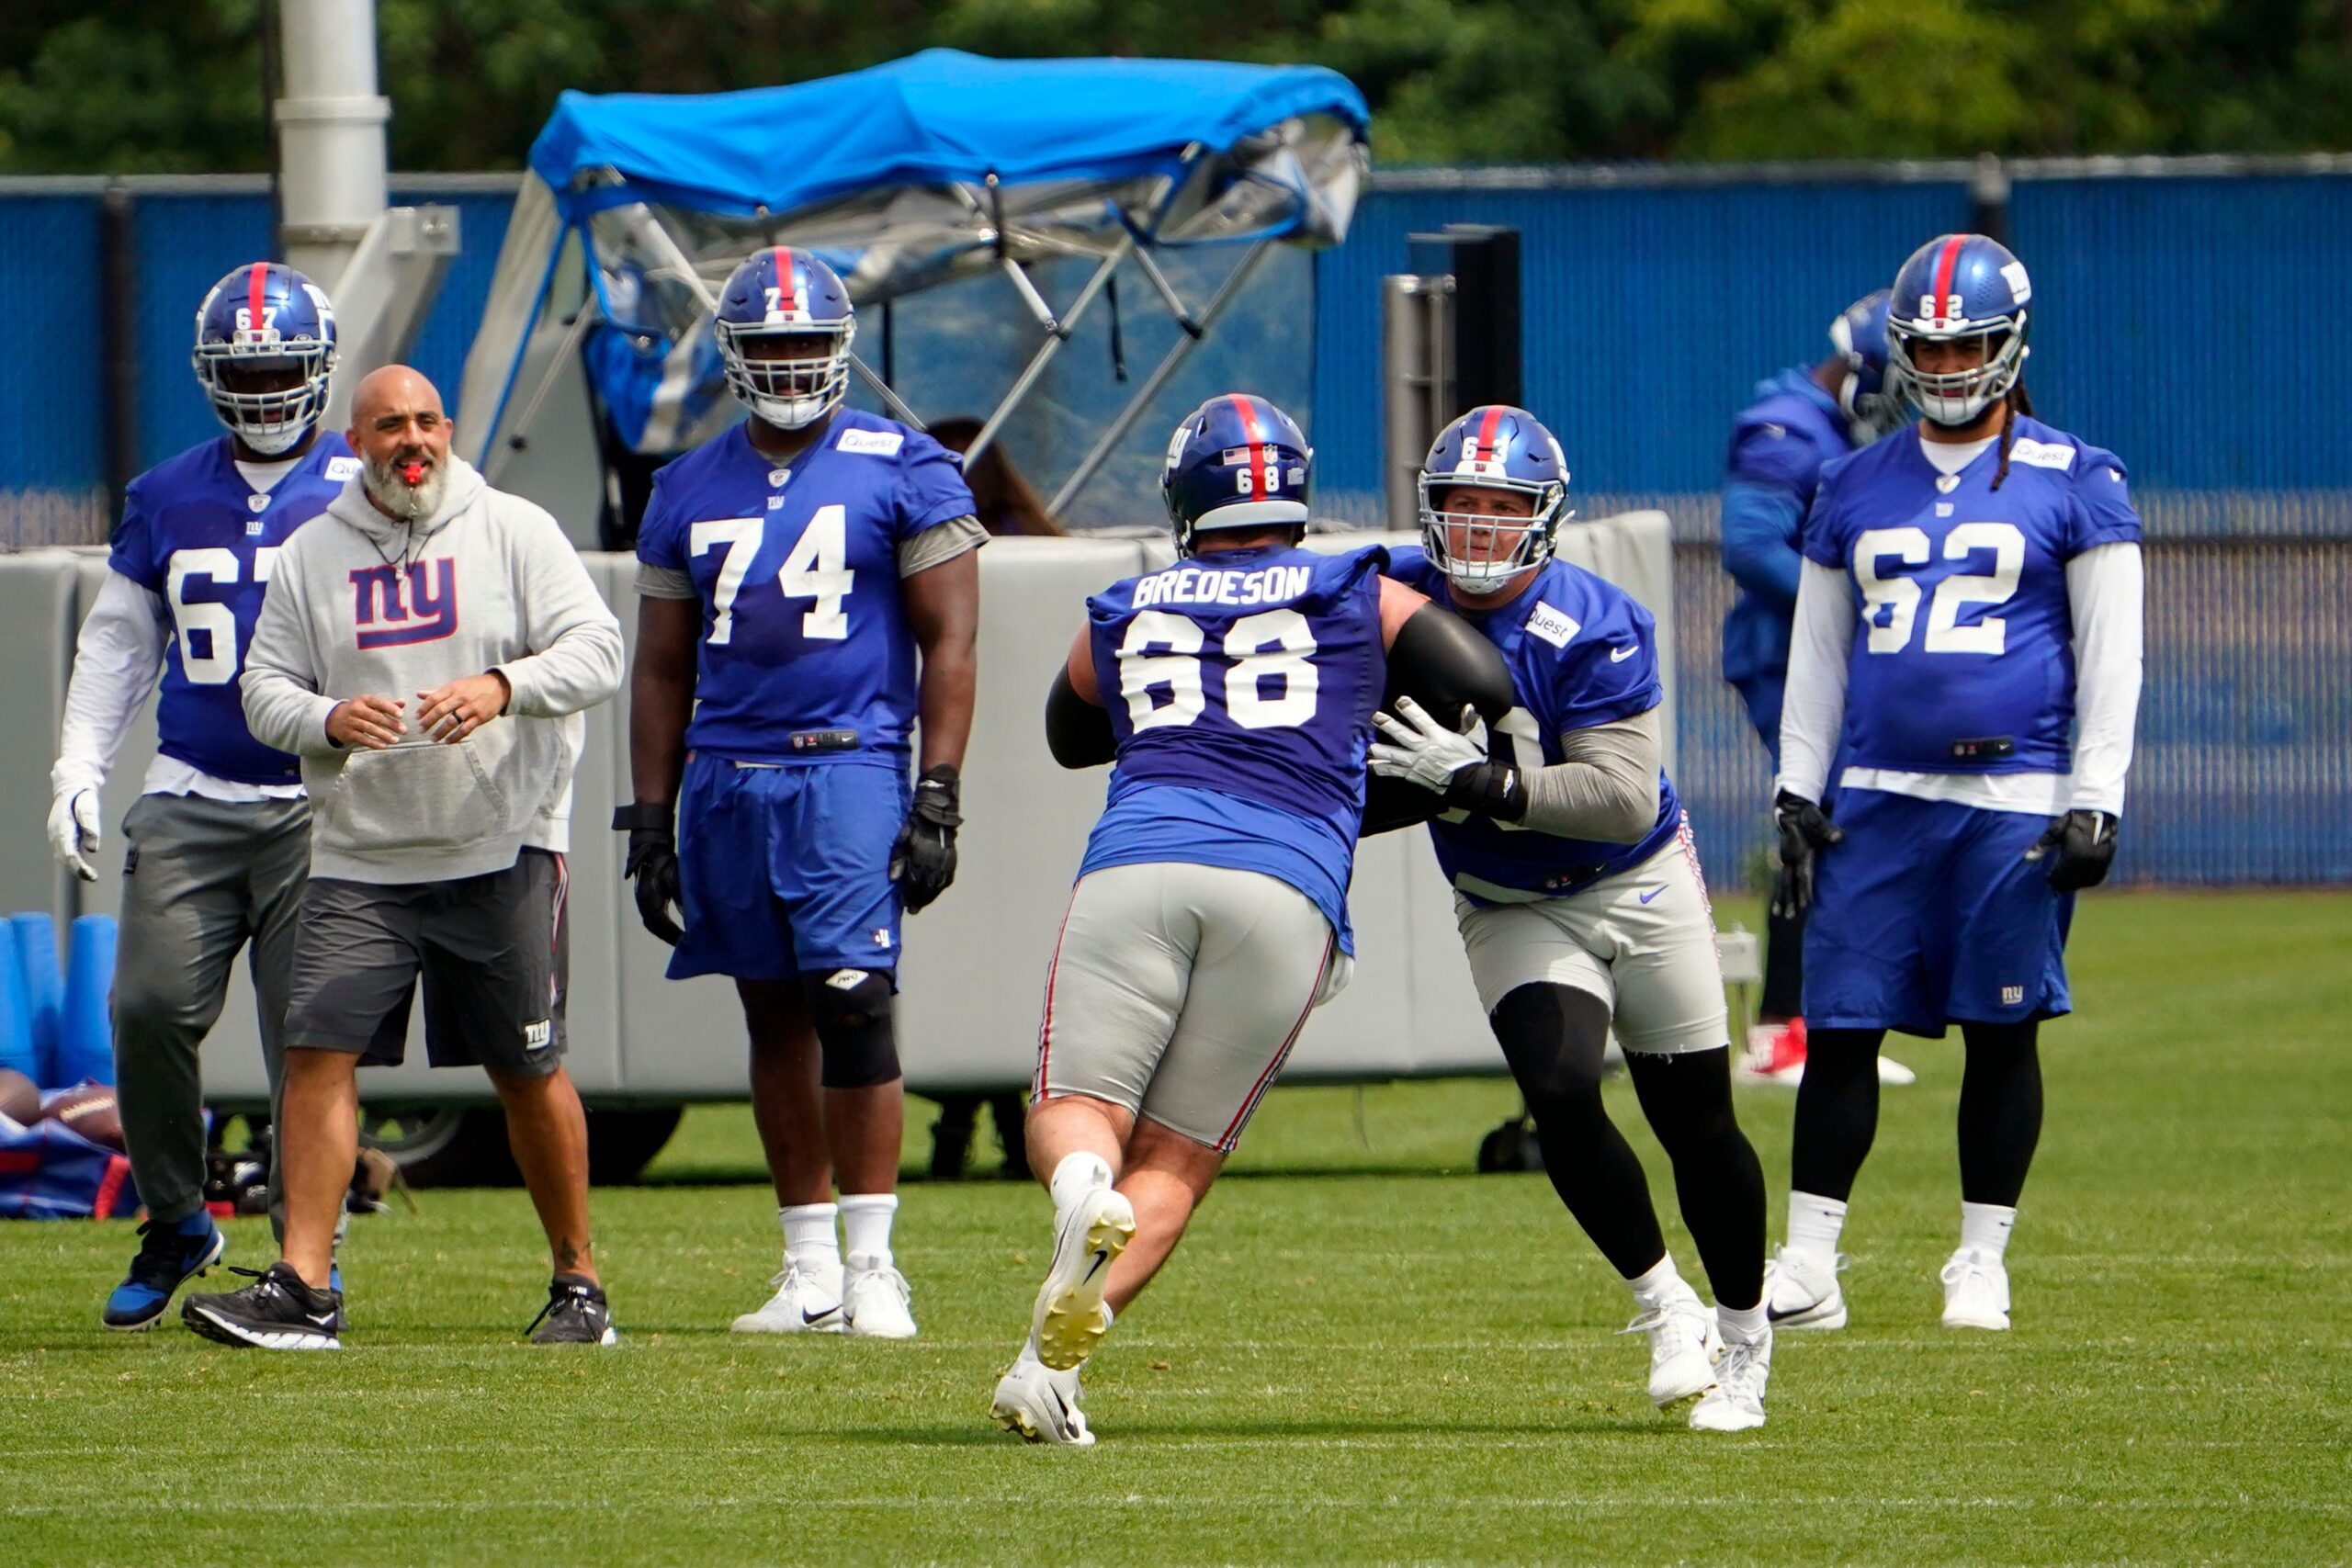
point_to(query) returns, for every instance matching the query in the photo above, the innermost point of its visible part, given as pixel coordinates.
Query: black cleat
(276, 1312)
(576, 1313)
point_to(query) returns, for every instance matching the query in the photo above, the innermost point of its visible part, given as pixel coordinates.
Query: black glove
(2086, 844)
(1805, 830)
(923, 863)
(653, 864)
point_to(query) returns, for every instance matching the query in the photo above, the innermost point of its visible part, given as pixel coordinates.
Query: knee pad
(1554, 1038)
(850, 1008)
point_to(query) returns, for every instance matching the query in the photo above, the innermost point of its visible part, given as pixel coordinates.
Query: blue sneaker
(168, 1254)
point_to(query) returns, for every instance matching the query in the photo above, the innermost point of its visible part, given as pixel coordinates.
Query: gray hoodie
(361, 603)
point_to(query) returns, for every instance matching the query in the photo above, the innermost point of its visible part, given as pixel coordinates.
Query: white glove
(73, 829)
(1420, 749)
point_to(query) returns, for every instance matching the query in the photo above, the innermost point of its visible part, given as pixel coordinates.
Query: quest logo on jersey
(393, 607)
(342, 469)
(871, 442)
(1551, 625)
(2042, 454)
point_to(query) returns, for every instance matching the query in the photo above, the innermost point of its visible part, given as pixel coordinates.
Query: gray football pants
(202, 879)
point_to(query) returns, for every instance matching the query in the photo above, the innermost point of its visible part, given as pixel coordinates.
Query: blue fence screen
(2171, 328)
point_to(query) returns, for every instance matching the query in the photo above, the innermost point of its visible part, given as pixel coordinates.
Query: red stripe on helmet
(1257, 437)
(1487, 429)
(786, 300)
(1945, 263)
(256, 281)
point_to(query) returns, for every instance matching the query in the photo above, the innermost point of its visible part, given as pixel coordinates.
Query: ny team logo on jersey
(393, 607)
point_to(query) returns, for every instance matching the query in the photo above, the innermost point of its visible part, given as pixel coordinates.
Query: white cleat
(1040, 1404)
(1801, 1292)
(874, 1305)
(1070, 1318)
(1976, 1292)
(1736, 1402)
(807, 1301)
(1684, 1343)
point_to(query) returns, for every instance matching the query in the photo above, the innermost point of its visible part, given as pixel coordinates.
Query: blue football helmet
(783, 295)
(265, 350)
(1502, 448)
(1870, 404)
(1234, 462)
(1959, 286)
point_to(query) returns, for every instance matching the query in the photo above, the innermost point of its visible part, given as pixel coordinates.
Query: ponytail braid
(2015, 403)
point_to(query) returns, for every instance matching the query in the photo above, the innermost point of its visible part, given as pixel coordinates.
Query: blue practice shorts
(787, 870)
(1930, 912)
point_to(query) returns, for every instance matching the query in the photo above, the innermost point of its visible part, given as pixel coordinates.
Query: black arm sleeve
(1077, 731)
(1442, 662)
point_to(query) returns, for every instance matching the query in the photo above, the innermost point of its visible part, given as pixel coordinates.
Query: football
(20, 1097)
(89, 1111)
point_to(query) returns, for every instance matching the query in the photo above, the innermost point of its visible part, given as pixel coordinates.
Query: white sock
(1813, 1224)
(1742, 1327)
(866, 1227)
(1986, 1227)
(1655, 1289)
(1076, 1176)
(808, 1237)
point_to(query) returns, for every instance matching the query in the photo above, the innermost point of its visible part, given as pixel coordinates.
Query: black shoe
(276, 1312)
(576, 1313)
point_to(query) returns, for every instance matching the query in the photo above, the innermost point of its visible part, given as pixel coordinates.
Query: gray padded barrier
(974, 968)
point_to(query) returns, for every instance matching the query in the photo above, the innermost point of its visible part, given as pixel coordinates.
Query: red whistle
(413, 475)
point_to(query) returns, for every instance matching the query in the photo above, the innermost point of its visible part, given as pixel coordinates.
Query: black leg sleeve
(1553, 1038)
(1783, 967)
(1837, 1110)
(2000, 1110)
(1718, 1181)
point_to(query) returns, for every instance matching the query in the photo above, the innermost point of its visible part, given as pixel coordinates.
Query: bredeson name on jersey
(1211, 585)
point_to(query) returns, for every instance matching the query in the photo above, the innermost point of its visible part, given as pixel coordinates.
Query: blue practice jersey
(1778, 444)
(1581, 652)
(195, 533)
(1241, 686)
(1963, 660)
(806, 654)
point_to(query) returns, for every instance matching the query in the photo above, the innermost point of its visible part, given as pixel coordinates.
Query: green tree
(130, 85)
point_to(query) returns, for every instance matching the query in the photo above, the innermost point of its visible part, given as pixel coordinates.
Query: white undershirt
(2104, 593)
(263, 477)
(1951, 457)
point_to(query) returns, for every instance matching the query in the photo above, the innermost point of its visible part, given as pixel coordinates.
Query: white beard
(398, 497)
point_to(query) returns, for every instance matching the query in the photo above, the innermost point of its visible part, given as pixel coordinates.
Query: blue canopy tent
(905, 176)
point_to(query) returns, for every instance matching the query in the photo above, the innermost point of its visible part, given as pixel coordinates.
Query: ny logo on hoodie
(425, 609)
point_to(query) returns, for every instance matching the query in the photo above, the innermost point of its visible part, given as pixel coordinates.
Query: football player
(1800, 419)
(791, 572)
(219, 839)
(1968, 644)
(1580, 903)
(1236, 691)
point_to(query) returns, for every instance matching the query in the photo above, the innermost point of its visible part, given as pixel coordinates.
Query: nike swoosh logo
(1619, 655)
(807, 1316)
(1100, 1260)
(1652, 893)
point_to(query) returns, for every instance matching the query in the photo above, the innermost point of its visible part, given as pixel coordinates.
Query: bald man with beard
(423, 647)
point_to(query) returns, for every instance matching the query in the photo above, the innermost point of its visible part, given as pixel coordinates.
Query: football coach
(422, 646)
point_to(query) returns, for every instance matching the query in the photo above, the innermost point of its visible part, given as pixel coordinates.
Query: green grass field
(1363, 1353)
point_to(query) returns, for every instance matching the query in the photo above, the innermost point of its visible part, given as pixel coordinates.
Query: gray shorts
(1177, 991)
(1642, 941)
(493, 952)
